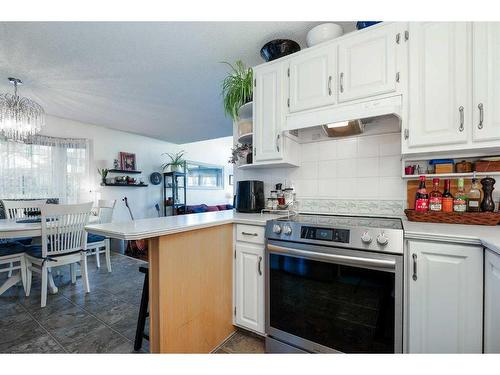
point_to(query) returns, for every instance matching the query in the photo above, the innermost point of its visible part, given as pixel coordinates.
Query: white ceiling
(159, 79)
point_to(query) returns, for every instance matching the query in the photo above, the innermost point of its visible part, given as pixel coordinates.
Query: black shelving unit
(174, 185)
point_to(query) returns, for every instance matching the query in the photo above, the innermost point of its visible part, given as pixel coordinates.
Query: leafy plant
(237, 88)
(239, 151)
(176, 159)
(103, 172)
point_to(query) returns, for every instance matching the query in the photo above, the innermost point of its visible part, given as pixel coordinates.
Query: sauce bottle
(447, 197)
(474, 201)
(421, 197)
(460, 201)
(435, 197)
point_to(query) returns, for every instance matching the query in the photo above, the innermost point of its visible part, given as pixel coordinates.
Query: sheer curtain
(47, 167)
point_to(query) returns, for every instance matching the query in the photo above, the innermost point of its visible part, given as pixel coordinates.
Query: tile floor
(102, 321)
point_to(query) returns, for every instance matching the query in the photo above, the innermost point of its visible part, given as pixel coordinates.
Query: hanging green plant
(237, 88)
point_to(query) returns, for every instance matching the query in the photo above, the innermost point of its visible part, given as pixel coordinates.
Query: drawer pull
(260, 266)
(481, 116)
(249, 234)
(414, 256)
(461, 111)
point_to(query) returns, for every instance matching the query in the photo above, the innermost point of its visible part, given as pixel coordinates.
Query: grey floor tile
(101, 340)
(42, 343)
(244, 342)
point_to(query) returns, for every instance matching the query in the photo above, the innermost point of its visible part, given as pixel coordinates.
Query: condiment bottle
(474, 196)
(447, 198)
(460, 201)
(435, 197)
(421, 197)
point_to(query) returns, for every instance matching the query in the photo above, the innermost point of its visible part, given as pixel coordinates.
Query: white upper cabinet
(268, 111)
(367, 64)
(445, 304)
(311, 76)
(486, 78)
(491, 302)
(439, 83)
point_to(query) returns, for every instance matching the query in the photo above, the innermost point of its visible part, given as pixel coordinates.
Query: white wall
(217, 152)
(107, 143)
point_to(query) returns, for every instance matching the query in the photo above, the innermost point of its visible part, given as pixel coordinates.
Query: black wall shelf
(126, 185)
(123, 171)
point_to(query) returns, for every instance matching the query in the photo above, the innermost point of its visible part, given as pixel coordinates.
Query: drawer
(250, 233)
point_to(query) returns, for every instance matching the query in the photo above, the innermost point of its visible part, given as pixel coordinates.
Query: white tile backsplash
(345, 175)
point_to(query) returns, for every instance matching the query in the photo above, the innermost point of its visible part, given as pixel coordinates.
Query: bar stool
(143, 310)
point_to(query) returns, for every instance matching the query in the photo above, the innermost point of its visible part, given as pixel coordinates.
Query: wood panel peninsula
(190, 276)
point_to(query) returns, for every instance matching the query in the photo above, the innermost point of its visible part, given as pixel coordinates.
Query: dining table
(16, 229)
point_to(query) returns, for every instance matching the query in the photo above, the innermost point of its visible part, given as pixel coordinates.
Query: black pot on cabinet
(250, 196)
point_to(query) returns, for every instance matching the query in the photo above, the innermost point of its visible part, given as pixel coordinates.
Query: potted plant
(237, 88)
(176, 163)
(240, 152)
(103, 173)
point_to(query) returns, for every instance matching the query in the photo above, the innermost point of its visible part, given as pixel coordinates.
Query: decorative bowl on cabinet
(278, 48)
(364, 24)
(322, 33)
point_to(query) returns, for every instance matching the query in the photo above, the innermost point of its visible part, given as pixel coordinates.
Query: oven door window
(349, 309)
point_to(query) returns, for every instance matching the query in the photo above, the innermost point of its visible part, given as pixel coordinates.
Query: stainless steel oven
(326, 292)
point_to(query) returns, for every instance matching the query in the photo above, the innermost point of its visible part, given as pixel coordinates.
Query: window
(205, 176)
(46, 168)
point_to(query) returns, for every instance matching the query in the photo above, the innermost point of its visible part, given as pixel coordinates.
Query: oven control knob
(382, 239)
(287, 229)
(276, 229)
(366, 238)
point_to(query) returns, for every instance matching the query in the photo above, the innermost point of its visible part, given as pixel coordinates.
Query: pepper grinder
(487, 204)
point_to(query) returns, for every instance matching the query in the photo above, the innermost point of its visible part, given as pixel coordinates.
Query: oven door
(324, 299)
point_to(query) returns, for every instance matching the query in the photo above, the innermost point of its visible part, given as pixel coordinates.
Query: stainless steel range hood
(347, 112)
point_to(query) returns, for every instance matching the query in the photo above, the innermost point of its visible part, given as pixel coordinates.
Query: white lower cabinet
(445, 301)
(249, 286)
(491, 302)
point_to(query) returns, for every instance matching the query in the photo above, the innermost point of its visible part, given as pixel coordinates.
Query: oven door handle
(345, 260)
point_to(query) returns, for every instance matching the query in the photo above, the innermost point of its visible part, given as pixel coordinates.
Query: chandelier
(20, 118)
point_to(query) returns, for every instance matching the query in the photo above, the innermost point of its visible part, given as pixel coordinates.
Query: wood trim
(190, 296)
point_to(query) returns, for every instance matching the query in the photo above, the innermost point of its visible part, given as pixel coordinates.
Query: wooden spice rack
(471, 218)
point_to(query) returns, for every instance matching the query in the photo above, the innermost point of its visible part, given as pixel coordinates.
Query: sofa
(199, 208)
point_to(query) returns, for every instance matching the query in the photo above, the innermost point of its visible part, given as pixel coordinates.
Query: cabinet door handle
(341, 82)
(249, 234)
(481, 115)
(278, 142)
(461, 111)
(414, 256)
(330, 85)
(259, 266)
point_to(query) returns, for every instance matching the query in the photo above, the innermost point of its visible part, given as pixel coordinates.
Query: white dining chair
(21, 209)
(97, 244)
(64, 241)
(12, 255)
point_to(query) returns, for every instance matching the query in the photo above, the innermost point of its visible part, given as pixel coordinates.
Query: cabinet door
(268, 114)
(486, 78)
(311, 79)
(367, 64)
(491, 302)
(439, 83)
(250, 286)
(446, 298)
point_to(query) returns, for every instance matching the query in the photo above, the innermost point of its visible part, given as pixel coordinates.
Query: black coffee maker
(249, 196)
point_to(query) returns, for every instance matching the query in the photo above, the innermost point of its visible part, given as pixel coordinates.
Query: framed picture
(231, 179)
(127, 161)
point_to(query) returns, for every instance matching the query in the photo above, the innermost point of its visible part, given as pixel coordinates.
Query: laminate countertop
(161, 226)
(487, 236)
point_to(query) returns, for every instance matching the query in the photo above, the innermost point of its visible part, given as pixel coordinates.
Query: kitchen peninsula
(190, 276)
